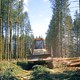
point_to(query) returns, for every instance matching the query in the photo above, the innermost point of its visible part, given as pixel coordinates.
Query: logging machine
(39, 47)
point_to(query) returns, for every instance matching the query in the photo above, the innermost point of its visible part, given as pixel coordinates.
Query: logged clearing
(72, 62)
(64, 69)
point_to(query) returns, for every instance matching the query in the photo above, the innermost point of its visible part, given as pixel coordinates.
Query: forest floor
(13, 68)
(64, 69)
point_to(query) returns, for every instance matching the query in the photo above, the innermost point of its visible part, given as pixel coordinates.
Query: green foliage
(14, 30)
(11, 71)
(11, 67)
(76, 30)
(7, 75)
(40, 73)
(60, 27)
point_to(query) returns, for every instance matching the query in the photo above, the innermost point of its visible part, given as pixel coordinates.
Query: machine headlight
(44, 50)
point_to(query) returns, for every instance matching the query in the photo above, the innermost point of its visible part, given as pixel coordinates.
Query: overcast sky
(40, 14)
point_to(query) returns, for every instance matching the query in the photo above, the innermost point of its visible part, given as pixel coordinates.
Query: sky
(74, 5)
(40, 13)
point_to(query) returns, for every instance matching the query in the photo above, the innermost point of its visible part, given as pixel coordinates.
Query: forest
(15, 30)
(62, 42)
(63, 35)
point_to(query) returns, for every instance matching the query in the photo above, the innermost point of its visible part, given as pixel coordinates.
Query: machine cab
(39, 46)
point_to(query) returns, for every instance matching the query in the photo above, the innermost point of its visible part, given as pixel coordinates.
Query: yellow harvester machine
(38, 52)
(39, 47)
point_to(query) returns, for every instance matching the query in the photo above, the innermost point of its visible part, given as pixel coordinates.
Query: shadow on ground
(29, 65)
(67, 75)
(45, 75)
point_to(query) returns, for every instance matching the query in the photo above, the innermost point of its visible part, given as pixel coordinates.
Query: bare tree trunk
(1, 39)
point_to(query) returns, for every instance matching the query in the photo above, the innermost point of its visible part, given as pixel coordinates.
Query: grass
(14, 69)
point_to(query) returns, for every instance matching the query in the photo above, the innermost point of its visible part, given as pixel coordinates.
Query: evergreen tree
(58, 28)
(13, 22)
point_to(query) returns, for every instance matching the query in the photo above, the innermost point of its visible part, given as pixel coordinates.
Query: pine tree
(55, 34)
